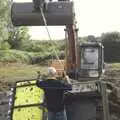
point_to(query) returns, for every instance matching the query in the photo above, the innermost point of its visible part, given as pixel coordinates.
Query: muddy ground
(4, 99)
(112, 76)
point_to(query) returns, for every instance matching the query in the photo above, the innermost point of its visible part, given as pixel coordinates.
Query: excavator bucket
(56, 13)
(25, 102)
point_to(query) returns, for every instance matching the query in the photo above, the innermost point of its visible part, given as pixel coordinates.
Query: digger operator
(54, 95)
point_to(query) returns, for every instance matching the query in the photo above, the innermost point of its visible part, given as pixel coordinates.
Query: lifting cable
(45, 23)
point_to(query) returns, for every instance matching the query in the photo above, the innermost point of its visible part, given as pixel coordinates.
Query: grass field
(10, 73)
(115, 66)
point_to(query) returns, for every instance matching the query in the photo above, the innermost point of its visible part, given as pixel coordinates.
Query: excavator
(84, 64)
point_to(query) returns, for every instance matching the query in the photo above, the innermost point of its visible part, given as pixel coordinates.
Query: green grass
(19, 72)
(10, 73)
(115, 66)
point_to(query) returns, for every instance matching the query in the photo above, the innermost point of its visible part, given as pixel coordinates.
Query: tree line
(16, 45)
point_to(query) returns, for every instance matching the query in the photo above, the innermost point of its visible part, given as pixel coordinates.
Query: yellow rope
(45, 23)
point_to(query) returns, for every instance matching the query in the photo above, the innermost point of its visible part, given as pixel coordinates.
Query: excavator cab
(91, 60)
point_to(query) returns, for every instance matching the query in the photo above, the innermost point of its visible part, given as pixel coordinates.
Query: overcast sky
(94, 17)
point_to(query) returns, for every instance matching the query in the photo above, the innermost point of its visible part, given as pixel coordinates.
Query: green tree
(110, 37)
(4, 14)
(89, 38)
(14, 36)
(18, 38)
(4, 45)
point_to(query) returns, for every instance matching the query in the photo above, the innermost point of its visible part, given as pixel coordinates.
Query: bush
(111, 51)
(110, 37)
(4, 45)
(111, 42)
(14, 56)
(44, 46)
(25, 57)
(34, 52)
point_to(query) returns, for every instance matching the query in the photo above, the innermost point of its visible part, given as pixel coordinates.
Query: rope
(45, 23)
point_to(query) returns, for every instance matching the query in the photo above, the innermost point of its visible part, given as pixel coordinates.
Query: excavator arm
(72, 56)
